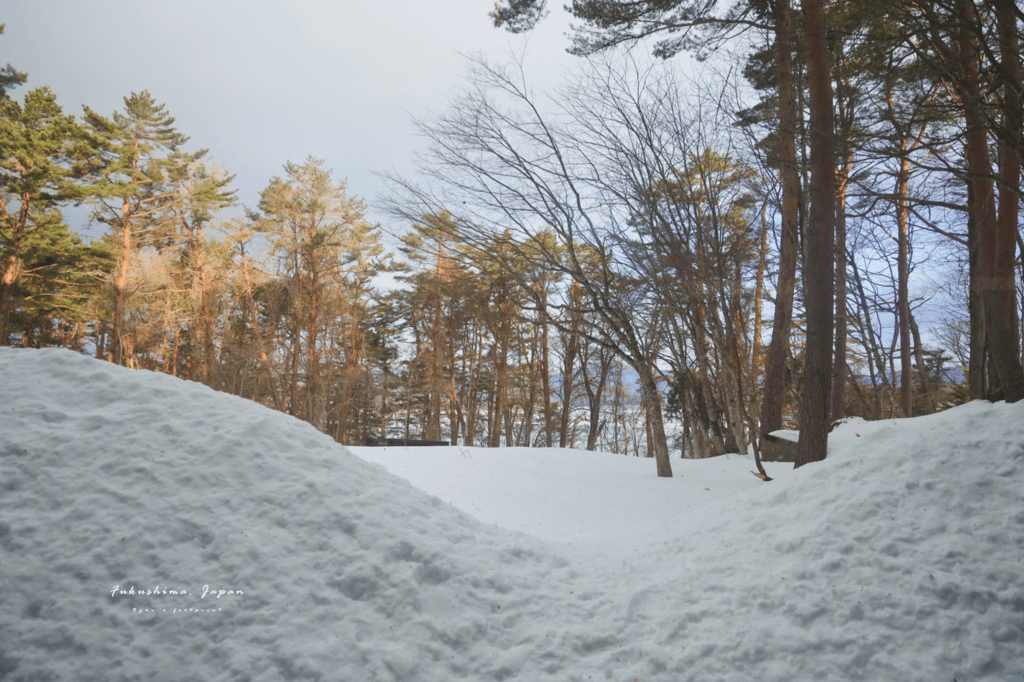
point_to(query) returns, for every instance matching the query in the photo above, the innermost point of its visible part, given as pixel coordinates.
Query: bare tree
(514, 174)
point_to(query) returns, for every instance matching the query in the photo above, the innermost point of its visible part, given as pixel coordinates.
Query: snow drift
(151, 528)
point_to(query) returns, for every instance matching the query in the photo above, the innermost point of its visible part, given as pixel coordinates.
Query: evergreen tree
(439, 310)
(61, 278)
(819, 244)
(38, 171)
(130, 186)
(200, 192)
(327, 256)
(384, 330)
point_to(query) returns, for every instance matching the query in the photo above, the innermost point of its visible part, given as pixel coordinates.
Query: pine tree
(327, 254)
(60, 278)
(38, 172)
(972, 50)
(819, 244)
(200, 192)
(130, 186)
(439, 310)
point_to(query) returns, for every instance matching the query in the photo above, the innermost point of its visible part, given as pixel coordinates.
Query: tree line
(859, 97)
(280, 306)
(593, 267)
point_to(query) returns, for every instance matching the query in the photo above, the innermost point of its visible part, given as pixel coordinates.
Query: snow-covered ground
(594, 505)
(900, 558)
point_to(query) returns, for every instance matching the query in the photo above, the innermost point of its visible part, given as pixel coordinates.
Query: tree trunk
(526, 439)
(545, 371)
(996, 234)
(819, 245)
(903, 297)
(567, 375)
(14, 266)
(775, 361)
(571, 348)
(876, 366)
(976, 373)
(838, 410)
(1001, 302)
(250, 311)
(121, 287)
(11, 272)
(755, 346)
(313, 346)
(594, 394)
(652, 404)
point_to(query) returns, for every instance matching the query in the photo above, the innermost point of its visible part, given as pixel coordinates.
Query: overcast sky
(262, 83)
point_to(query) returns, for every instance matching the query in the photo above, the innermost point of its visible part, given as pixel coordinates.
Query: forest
(825, 223)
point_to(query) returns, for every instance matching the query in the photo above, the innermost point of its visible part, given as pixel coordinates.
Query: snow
(901, 557)
(791, 436)
(597, 505)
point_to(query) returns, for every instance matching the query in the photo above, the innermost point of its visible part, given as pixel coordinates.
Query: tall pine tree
(131, 187)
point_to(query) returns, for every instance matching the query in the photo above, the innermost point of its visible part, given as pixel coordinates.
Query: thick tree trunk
(819, 243)
(455, 420)
(996, 234)
(1002, 320)
(976, 373)
(508, 428)
(775, 360)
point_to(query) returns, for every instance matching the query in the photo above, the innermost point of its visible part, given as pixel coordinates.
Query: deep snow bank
(110, 477)
(899, 558)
